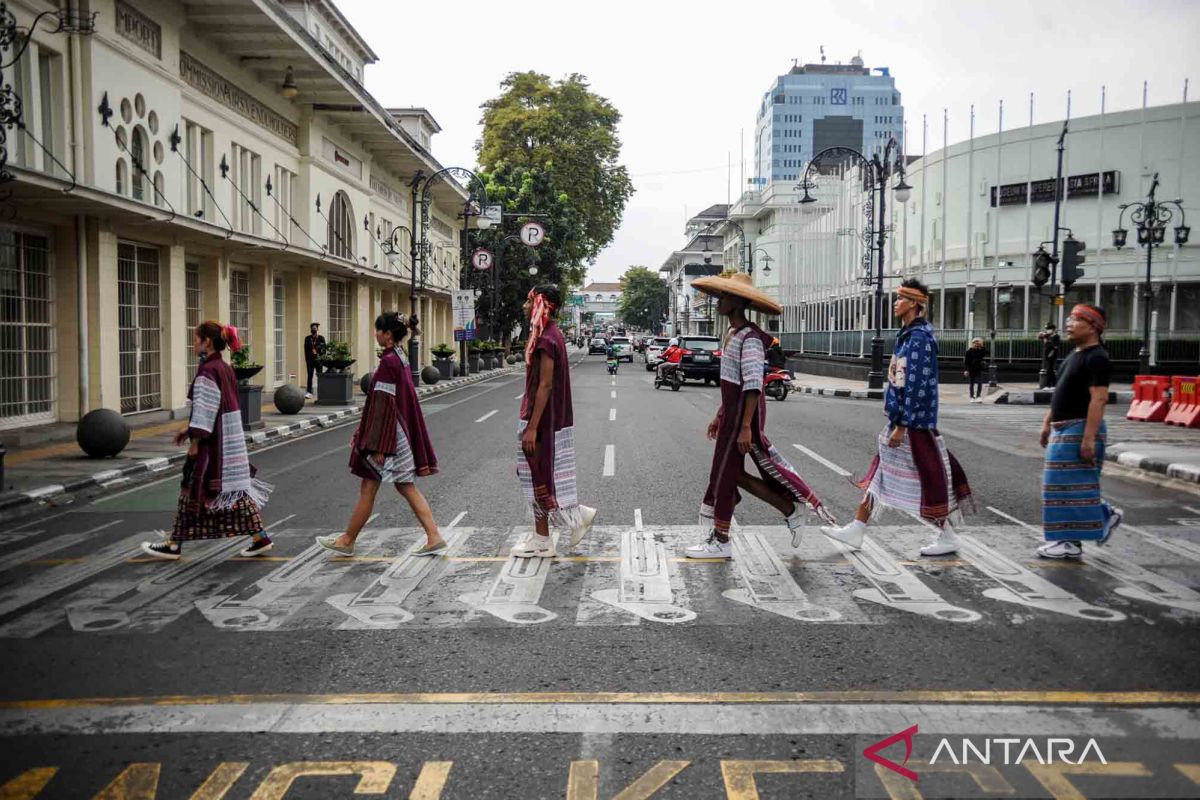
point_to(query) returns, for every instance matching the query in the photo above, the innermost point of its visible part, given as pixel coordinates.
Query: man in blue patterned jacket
(913, 471)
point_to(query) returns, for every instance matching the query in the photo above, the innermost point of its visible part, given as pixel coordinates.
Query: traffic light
(1071, 259)
(1041, 267)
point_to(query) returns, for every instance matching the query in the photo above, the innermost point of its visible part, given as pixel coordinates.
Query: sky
(687, 77)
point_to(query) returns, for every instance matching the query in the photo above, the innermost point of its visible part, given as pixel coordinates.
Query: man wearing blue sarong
(1073, 512)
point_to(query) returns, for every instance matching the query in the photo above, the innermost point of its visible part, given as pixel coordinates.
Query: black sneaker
(257, 548)
(167, 551)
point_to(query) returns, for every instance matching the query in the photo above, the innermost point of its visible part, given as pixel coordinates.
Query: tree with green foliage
(644, 299)
(564, 130)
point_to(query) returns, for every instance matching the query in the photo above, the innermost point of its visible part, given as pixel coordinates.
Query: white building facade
(690, 311)
(189, 161)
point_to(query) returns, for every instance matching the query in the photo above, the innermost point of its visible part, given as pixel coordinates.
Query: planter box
(250, 401)
(446, 367)
(335, 389)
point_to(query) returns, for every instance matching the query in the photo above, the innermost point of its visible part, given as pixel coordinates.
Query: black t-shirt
(1081, 370)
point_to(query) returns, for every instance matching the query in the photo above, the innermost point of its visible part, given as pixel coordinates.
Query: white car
(652, 355)
(623, 348)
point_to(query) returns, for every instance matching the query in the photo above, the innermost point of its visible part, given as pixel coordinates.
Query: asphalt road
(619, 668)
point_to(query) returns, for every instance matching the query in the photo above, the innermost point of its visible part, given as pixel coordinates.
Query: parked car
(653, 352)
(701, 358)
(597, 345)
(623, 348)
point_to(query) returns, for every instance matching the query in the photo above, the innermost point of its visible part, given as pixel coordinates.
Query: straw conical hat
(738, 284)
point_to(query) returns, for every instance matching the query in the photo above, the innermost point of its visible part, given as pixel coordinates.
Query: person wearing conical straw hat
(913, 471)
(739, 426)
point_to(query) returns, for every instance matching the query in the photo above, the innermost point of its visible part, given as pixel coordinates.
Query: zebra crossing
(623, 575)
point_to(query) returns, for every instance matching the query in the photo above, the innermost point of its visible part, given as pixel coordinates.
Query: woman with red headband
(1073, 434)
(913, 471)
(220, 496)
(546, 458)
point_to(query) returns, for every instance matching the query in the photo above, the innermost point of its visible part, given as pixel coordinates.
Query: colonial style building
(193, 160)
(690, 311)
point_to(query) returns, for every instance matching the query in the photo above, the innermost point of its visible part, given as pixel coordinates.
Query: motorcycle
(673, 378)
(777, 383)
(612, 366)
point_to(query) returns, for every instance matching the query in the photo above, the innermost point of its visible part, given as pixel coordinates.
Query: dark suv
(701, 358)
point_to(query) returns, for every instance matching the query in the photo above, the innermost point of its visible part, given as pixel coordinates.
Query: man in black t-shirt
(314, 348)
(1073, 434)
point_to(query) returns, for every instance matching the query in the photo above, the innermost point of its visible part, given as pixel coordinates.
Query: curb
(856, 394)
(1041, 397)
(1183, 472)
(150, 465)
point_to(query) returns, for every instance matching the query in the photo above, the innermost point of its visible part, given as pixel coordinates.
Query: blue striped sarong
(1072, 508)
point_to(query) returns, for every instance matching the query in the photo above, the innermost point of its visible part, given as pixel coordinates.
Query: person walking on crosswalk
(739, 428)
(1073, 434)
(546, 432)
(219, 495)
(391, 444)
(913, 470)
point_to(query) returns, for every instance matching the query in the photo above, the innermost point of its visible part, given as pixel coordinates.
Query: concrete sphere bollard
(102, 433)
(289, 399)
(364, 382)
(430, 375)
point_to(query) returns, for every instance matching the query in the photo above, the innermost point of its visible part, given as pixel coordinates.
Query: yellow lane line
(952, 696)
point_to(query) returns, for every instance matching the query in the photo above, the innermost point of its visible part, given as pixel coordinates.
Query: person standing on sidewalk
(974, 362)
(1051, 348)
(546, 432)
(219, 495)
(314, 348)
(391, 444)
(913, 470)
(1073, 434)
(739, 428)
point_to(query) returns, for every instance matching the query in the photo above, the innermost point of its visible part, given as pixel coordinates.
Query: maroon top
(384, 409)
(558, 413)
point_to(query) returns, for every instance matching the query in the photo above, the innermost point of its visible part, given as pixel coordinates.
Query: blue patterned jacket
(911, 399)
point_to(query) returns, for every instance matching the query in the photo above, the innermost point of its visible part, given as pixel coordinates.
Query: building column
(67, 320)
(362, 322)
(103, 315)
(262, 314)
(172, 305)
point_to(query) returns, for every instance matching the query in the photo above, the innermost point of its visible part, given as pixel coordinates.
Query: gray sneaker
(430, 550)
(330, 543)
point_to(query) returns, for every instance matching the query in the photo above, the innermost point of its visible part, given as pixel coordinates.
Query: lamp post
(878, 171)
(766, 270)
(1151, 218)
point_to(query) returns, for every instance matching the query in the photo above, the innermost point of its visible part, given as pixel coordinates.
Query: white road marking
(1180, 547)
(820, 459)
(40, 549)
(613, 394)
(514, 594)
(610, 460)
(1192, 510)
(895, 587)
(637, 519)
(1140, 583)
(457, 519)
(261, 606)
(518, 397)
(491, 413)
(58, 578)
(371, 519)
(644, 580)
(613, 383)
(768, 584)
(706, 395)
(612, 415)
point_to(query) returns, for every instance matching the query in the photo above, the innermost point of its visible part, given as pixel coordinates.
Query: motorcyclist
(670, 358)
(610, 354)
(775, 356)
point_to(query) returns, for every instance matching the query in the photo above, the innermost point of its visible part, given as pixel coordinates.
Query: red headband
(916, 295)
(1089, 315)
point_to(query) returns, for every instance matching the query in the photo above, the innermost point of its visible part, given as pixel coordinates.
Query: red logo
(872, 752)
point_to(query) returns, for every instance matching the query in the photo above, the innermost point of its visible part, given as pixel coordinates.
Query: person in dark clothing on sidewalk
(974, 362)
(1051, 348)
(314, 348)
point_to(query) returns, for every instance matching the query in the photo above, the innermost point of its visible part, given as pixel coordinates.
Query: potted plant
(443, 359)
(249, 397)
(473, 350)
(335, 386)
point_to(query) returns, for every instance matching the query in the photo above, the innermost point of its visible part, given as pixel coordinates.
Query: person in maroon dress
(546, 432)
(391, 444)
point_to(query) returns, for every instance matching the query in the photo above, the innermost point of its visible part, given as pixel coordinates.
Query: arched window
(138, 150)
(122, 177)
(340, 238)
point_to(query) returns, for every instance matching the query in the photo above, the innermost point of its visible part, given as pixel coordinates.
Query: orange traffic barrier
(1185, 402)
(1149, 398)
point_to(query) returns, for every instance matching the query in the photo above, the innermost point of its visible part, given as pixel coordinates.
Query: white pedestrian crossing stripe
(622, 575)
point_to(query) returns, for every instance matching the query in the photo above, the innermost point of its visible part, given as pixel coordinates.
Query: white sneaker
(944, 543)
(534, 546)
(1063, 549)
(577, 534)
(850, 535)
(308, 395)
(1115, 517)
(796, 523)
(710, 549)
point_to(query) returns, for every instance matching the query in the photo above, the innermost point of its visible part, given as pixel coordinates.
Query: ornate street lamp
(879, 172)
(766, 261)
(1151, 218)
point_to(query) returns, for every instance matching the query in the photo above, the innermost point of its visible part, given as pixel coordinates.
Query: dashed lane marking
(488, 415)
(613, 394)
(612, 415)
(820, 459)
(610, 460)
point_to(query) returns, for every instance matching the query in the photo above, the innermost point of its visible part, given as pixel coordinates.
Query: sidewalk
(1148, 446)
(46, 471)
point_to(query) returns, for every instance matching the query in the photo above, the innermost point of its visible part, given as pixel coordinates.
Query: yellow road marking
(850, 696)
